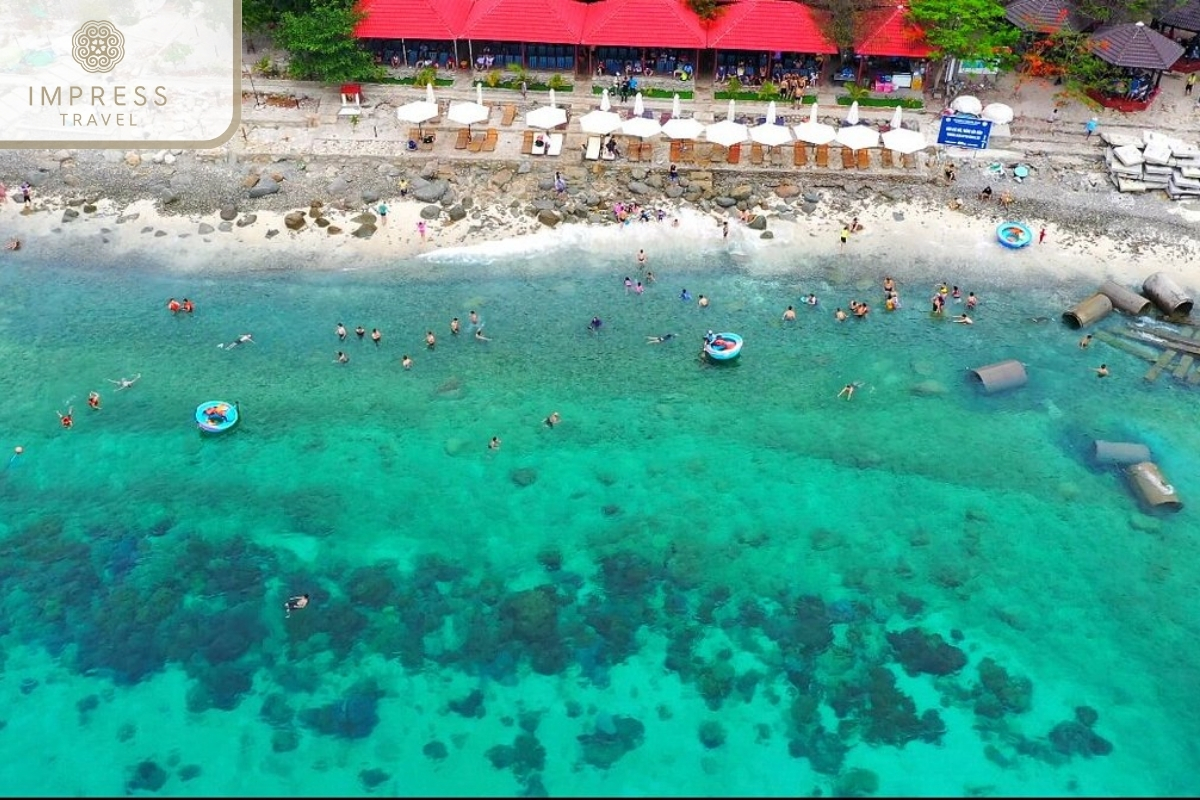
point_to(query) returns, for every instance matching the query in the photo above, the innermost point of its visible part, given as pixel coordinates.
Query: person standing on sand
(383, 209)
(421, 230)
(1189, 85)
(845, 237)
(1053, 118)
(403, 187)
(1042, 235)
(1091, 126)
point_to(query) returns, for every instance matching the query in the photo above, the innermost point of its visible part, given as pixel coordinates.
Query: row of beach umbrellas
(726, 132)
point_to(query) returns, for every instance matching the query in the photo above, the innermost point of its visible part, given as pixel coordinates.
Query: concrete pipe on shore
(1085, 312)
(1125, 300)
(1001, 376)
(1151, 487)
(1167, 295)
(1123, 453)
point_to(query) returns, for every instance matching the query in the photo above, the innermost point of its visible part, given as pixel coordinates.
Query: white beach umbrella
(771, 133)
(902, 140)
(675, 109)
(637, 125)
(470, 113)
(547, 117)
(815, 132)
(678, 127)
(727, 133)
(967, 104)
(602, 121)
(998, 113)
(852, 114)
(419, 111)
(858, 137)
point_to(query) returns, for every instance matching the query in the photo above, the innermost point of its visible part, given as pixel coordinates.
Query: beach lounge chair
(864, 159)
(428, 140)
(776, 155)
(647, 151)
(490, 140)
(847, 158)
(476, 144)
(734, 155)
(676, 152)
(687, 152)
(510, 113)
(823, 155)
(885, 158)
(464, 139)
(909, 160)
(556, 144)
(592, 151)
(527, 144)
(756, 154)
(799, 154)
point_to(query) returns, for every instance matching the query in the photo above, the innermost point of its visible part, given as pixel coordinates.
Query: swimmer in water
(67, 419)
(789, 315)
(594, 325)
(553, 419)
(125, 383)
(406, 362)
(479, 337)
(666, 337)
(455, 327)
(494, 444)
(245, 338)
(294, 604)
(342, 358)
(848, 390)
(964, 319)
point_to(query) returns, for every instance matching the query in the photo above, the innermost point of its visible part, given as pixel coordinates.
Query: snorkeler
(666, 337)
(245, 338)
(294, 604)
(594, 325)
(125, 383)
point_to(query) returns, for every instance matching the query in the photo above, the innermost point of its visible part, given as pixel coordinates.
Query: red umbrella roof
(1043, 16)
(889, 32)
(549, 21)
(643, 23)
(412, 19)
(1135, 45)
(769, 25)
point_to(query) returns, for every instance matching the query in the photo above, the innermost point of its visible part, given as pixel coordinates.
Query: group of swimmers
(174, 306)
(67, 419)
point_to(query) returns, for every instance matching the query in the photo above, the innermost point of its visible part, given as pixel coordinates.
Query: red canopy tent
(643, 23)
(769, 25)
(546, 21)
(889, 32)
(441, 20)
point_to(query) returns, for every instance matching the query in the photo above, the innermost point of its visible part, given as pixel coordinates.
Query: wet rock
(767, 235)
(372, 778)
(725, 202)
(435, 751)
(321, 222)
(89, 208)
(786, 190)
(28, 685)
(759, 223)
(743, 191)
(87, 704)
(229, 213)
(999, 693)
(247, 219)
(365, 218)
(431, 212)
(524, 756)
(276, 710)
(918, 651)
(363, 231)
(333, 230)
(812, 197)
(69, 214)
(204, 229)
(1086, 715)
(189, 772)
(610, 510)
(549, 218)
(551, 559)
(470, 706)
(294, 220)
(147, 776)
(456, 212)
(1076, 739)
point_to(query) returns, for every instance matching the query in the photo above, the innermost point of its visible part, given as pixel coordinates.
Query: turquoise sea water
(705, 580)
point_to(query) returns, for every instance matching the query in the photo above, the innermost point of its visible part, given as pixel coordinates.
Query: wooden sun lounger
(847, 158)
(527, 144)
(776, 157)
(464, 139)
(910, 161)
(647, 151)
(476, 144)
(734, 155)
(687, 152)
(864, 159)
(510, 113)
(490, 140)
(756, 154)
(885, 158)
(676, 151)
(822, 155)
(799, 154)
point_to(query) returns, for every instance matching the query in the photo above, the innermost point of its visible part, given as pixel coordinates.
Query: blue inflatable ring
(1014, 235)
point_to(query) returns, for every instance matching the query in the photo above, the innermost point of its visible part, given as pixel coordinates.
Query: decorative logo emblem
(98, 46)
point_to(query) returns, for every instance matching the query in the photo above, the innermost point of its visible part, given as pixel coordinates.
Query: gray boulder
(247, 219)
(430, 170)
(370, 196)
(266, 186)
(69, 214)
(362, 232)
(205, 229)
(759, 223)
(767, 235)
(742, 191)
(456, 213)
(638, 187)
(549, 217)
(725, 202)
(431, 212)
(502, 178)
(431, 192)
(229, 213)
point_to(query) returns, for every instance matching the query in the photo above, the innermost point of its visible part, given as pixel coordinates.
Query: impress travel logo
(121, 74)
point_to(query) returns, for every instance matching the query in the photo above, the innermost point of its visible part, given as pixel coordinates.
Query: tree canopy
(965, 29)
(321, 43)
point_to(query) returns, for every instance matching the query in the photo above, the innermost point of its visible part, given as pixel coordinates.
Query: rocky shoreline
(200, 182)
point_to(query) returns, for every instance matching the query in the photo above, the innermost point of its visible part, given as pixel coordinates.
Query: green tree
(1113, 11)
(705, 9)
(322, 45)
(966, 29)
(259, 15)
(840, 19)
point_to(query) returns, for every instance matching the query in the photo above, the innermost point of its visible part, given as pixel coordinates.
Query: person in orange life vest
(173, 306)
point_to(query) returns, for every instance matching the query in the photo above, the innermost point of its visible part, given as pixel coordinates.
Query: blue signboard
(962, 131)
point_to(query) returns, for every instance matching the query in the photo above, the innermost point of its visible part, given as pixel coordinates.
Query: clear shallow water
(687, 587)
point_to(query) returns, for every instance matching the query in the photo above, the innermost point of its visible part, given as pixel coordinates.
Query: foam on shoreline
(905, 238)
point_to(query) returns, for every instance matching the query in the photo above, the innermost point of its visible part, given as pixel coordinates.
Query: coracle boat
(216, 416)
(1014, 235)
(723, 346)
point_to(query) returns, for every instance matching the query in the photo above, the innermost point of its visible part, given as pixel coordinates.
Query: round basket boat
(1014, 235)
(216, 416)
(723, 346)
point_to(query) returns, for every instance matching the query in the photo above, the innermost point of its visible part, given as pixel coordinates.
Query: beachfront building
(1183, 20)
(890, 51)
(770, 40)
(753, 40)
(1143, 54)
